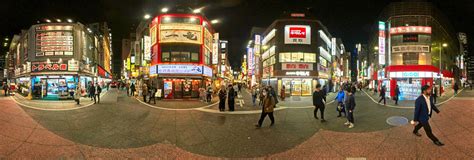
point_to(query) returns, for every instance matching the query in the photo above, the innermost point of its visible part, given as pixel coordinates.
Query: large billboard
(250, 61)
(54, 41)
(180, 33)
(297, 34)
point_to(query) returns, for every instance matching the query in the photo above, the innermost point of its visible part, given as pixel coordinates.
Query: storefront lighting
(47, 20)
(192, 19)
(198, 10)
(58, 20)
(167, 18)
(69, 20)
(164, 10)
(6, 39)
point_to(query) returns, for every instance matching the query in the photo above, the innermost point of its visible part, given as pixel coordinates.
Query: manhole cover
(397, 121)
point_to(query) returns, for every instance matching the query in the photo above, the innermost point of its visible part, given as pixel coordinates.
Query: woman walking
(267, 108)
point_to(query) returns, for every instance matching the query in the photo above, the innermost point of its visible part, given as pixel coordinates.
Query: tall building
(51, 59)
(414, 45)
(181, 53)
(253, 57)
(297, 52)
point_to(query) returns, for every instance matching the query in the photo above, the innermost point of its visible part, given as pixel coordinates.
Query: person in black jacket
(231, 97)
(382, 95)
(222, 97)
(350, 106)
(318, 102)
(152, 92)
(397, 94)
(92, 92)
(424, 108)
(98, 90)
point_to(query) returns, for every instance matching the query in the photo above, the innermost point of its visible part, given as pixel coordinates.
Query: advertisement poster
(180, 33)
(179, 69)
(54, 43)
(297, 34)
(153, 34)
(208, 39)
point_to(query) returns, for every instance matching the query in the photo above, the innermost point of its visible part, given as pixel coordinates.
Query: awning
(447, 73)
(405, 68)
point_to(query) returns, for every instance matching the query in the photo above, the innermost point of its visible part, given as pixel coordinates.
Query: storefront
(180, 81)
(53, 87)
(409, 78)
(297, 86)
(297, 83)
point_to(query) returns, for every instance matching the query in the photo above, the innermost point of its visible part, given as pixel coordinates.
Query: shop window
(184, 20)
(175, 57)
(298, 57)
(185, 57)
(165, 57)
(180, 53)
(194, 57)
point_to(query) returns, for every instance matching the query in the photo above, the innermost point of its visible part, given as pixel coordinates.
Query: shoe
(316, 117)
(339, 116)
(258, 126)
(272, 124)
(347, 123)
(438, 143)
(322, 120)
(417, 134)
(351, 125)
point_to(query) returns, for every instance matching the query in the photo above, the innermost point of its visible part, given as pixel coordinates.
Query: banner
(180, 33)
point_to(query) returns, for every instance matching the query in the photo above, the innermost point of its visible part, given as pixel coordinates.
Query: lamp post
(441, 45)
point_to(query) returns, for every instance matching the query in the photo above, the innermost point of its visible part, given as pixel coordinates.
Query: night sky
(350, 20)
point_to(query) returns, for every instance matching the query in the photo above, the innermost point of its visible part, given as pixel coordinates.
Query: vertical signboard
(250, 61)
(215, 49)
(333, 46)
(381, 43)
(147, 47)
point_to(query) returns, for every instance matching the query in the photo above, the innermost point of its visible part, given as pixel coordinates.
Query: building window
(323, 62)
(207, 57)
(180, 53)
(165, 57)
(194, 57)
(298, 57)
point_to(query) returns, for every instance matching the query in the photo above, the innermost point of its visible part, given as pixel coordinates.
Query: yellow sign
(180, 33)
(153, 34)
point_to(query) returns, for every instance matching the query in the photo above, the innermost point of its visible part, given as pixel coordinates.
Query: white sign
(250, 61)
(298, 73)
(297, 34)
(268, 37)
(73, 65)
(179, 69)
(333, 46)
(411, 48)
(324, 37)
(147, 47)
(215, 49)
(207, 71)
(153, 70)
(381, 42)
(412, 74)
(297, 66)
(325, 54)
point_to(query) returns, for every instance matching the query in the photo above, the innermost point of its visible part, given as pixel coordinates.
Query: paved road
(121, 127)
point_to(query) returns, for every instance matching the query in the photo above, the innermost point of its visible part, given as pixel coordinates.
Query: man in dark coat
(231, 97)
(318, 102)
(222, 97)
(424, 108)
(382, 95)
(350, 106)
(98, 90)
(397, 94)
(92, 92)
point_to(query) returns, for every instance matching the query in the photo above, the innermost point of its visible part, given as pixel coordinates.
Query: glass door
(296, 87)
(187, 88)
(178, 89)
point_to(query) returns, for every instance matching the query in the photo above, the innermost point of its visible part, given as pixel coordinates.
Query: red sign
(411, 29)
(40, 67)
(297, 32)
(297, 66)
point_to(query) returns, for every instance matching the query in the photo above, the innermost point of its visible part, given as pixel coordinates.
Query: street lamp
(164, 10)
(47, 20)
(69, 20)
(376, 48)
(214, 21)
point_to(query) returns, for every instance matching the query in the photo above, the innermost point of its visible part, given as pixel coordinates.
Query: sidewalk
(176, 103)
(411, 103)
(53, 105)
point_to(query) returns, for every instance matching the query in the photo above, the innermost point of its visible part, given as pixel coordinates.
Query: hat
(424, 87)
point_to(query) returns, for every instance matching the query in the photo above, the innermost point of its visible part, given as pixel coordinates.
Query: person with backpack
(267, 108)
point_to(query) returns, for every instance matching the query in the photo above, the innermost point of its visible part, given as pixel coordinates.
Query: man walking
(209, 93)
(424, 107)
(350, 106)
(397, 94)
(254, 95)
(92, 92)
(98, 90)
(132, 89)
(456, 88)
(231, 95)
(144, 92)
(152, 91)
(382, 95)
(340, 102)
(318, 102)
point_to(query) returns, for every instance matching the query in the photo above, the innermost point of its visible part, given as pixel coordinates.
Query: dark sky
(350, 20)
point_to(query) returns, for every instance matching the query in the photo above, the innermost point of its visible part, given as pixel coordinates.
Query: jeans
(382, 98)
(428, 131)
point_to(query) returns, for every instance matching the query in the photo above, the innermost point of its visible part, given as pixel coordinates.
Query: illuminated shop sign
(153, 70)
(411, 48)
(215, 49)
(153, 34)
(207, 71)
(333, 46)
(73, 65)
(268, 37)
(147, 47)
(180, 33)
(297, 34)
(43, 66)
(52, 43)
(410, 29)
(207, 39)
(325, 54)
(250, 62)
(54, 28)
(297, 66)
(381, 42)
(412, 74)
(298, 73)
(324, 37)
(182, 69)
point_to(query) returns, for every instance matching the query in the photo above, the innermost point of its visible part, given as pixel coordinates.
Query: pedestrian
(240, 87)
(350, 106)
(323, 91)
(231, 95)
(132, 89)
(127, 87)
(236, 89)
(456, 87)
(397, 94)
(353, 88)
(5, 88)
(273, 94)
(98, 90)
(382, 95)
(424, 108)
(222, 97)
(209, 93)
(77, 94)
(282, 93)
(144, 91)
(92, 92)
(340, 102)
(267, 108)
(152, 92)
(434, 93)
(254, 94)
(318, 102)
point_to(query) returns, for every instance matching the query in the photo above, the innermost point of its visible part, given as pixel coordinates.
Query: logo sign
(179, 69)
(250, 61)
(410, 29)
(411, 48)
(412, 74)
(297, 34)
(43, 66)
(298, 73)
(381, 42)
(297, 66)
(180, 33)
(153, 70)
(153, 34)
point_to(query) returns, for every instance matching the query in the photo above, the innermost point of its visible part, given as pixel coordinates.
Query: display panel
(54, 43)
(297, 34)
(180, 33)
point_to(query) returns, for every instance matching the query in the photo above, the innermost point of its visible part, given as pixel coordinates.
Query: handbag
(339, 107)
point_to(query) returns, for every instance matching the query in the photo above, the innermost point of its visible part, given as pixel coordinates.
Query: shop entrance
(297, 86)
(54, 88)
(182, 88)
